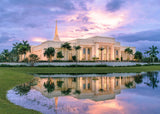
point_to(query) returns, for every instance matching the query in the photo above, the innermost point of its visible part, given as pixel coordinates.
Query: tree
(74, 58)
(129, 51)
(59, 55)
(138, 55)
(33, 58)
(16, 50)
(5, 54)
(76, 49)
(49, 53)
(24, 47)
(101, 49)
(66, 46)
(21, 48)
(153, 51)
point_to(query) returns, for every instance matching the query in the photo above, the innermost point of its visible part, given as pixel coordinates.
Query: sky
(132, 22)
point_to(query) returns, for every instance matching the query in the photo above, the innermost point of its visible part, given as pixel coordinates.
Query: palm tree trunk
(24, 56)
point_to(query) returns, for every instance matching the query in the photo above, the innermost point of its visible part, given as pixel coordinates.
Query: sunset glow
(125, 20)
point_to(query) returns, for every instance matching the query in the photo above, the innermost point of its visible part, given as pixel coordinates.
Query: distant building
(89, 48)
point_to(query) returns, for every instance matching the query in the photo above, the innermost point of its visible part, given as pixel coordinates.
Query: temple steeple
(56, 37)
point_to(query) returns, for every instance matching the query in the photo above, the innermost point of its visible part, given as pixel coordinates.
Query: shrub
(66, 92)
(59, 83)
(77, 92)
(117, 59)
(74, 58)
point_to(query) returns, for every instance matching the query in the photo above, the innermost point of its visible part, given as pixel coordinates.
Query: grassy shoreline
(12, 76)
(62, 70)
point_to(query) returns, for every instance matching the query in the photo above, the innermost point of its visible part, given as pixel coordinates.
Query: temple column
(112, 52)
(78, 83)
(93, 85)
(112, 83)
(107, 53)
(102, 83)
(97, 86)
(119, 54)
(93, 51)
(86, 54)
(81, 53)
(102, 55)
(107, 84)
(120, 82)
(86, 83)
(97, 50)
(81, 84)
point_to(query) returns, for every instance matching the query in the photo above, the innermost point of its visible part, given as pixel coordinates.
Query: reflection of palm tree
(153, 78)
(49, 85)
(22, 89)
(138, 79)
(101, 85)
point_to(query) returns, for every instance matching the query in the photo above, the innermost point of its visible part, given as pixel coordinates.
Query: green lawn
(12, 76)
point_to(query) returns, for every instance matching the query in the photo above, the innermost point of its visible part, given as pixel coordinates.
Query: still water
(90, 93)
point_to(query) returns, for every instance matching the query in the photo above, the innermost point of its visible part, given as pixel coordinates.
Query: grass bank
(9, 79)
(82, 69)
(12, 76)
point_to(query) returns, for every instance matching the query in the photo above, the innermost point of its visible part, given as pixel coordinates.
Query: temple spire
(56, 37)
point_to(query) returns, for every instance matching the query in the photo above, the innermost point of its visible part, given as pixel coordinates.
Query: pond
(117, 93)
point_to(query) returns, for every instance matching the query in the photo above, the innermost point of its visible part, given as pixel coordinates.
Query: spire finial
(56, 37)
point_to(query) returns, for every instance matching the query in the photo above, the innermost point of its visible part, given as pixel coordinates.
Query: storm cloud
(114, 5)
(150, 35)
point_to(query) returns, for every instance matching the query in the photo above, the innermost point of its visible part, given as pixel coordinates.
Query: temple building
(90, 48)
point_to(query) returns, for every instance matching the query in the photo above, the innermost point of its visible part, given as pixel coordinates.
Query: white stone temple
(89, 48)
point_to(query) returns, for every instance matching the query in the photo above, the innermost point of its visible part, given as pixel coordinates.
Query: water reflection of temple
(94, 88)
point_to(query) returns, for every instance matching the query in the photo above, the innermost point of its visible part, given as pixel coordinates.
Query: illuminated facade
(89, 48)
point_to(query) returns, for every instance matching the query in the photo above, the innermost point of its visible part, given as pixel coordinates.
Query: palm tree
(138, 55)
(49, 53)
(22, 48)
(153, 51)
(59, 55)
(16, 50)
(129, 51)
(33, 58)
(66, 46)
(77, 48)
(5, 53)
(101, 49)
(25, 47)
